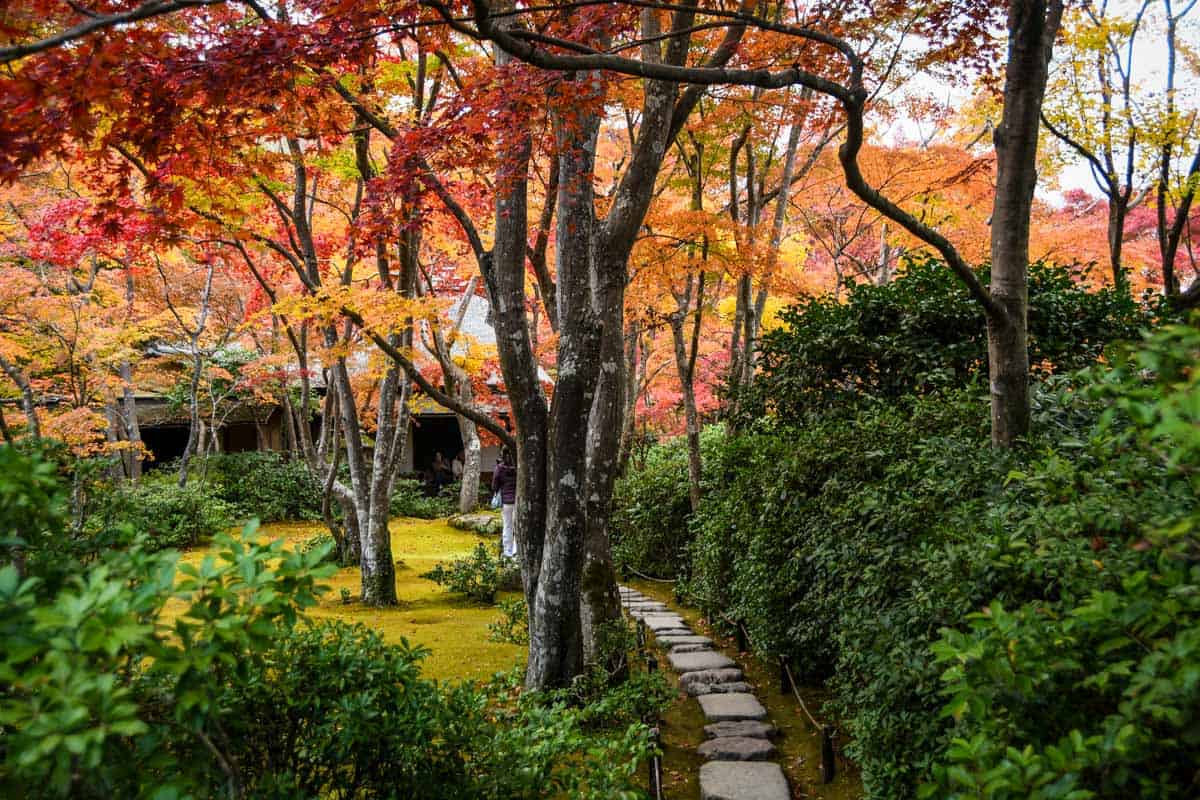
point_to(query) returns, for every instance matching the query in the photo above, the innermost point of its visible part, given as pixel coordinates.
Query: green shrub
(1094, 689)
(922, 331)
(513, 625)
(477, 577)
(165, 514)
(324, 542)
(651, 506)
(855, 543)
(101, 695)
(409, 500)
(261, 485)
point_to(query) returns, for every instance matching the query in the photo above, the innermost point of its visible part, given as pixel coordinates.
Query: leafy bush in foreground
(142, 677)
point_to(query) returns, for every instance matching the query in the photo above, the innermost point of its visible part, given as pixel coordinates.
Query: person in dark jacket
(504, 481)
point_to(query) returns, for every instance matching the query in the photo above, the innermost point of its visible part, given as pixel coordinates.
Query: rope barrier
(644, 576)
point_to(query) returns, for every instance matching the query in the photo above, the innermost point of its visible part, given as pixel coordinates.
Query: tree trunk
(555, 634)
(28, 403)
(133, 431)
(468, 495)
(1117, 212)
(1032, 26)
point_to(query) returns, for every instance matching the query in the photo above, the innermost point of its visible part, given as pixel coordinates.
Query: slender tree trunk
(133, 430)
(1032, 25)
(28, 403)
(1117, 212)
(468, 496)
(685, 364)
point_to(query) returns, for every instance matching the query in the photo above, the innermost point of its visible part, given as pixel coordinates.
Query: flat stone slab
(731, 707)
(693, 662)
(746, 728)
(743, 780)
(671, 641)
(690, 648)
(710, 676)
(737, 687)
(673, 632)
(736, 748)
(648, 606)
(662, 622)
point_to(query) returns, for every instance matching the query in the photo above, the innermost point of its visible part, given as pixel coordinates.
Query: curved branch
(99, 22)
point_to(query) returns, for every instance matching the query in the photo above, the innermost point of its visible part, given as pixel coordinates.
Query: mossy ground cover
(799, 745)
(454, 630)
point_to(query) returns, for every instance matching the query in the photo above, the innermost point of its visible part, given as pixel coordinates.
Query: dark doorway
(434, 433)
(240, 437)
(165, 443)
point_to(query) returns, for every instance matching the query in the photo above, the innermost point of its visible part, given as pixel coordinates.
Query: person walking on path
(504, 481)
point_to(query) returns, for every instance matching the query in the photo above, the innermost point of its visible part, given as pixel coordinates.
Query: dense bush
(922, 331)
(168, 516)
(651, 506)
(140, 677)
(409, 499)
(866, 546)
(997, 624)
(477, 577)
(261, 485)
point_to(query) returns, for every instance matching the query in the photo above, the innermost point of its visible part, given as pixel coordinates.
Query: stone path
(738, 747)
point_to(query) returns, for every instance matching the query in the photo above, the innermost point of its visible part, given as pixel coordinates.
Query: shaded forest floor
(454, 630)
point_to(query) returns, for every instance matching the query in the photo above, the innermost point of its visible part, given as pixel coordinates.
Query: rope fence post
(828, 760)
(785, 675)
(655, 765)
(641, 636)
(743, 642)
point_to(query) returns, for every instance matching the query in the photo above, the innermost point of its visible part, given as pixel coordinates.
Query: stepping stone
(747, 728)
(743, 780)
(663, 622)
(693, 662)
(737, 687)
(648, 607)
(673, 632)
(689, 648)
(672, 641)
(736, 748)
(710, 676)
(731, 707)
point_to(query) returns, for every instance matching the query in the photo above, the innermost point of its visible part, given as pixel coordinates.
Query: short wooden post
(785, 675)
(641, 636)
(655, 765)
(828, 764)
(651, 664)
(743, 645)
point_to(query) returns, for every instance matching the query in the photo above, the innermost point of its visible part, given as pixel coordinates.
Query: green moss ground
(799, 745)
(455, 631)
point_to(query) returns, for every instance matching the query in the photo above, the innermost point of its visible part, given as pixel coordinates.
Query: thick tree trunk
(1032, 26)
(555, 634)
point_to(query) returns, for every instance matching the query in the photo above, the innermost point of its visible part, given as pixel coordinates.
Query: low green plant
(513, 625)
(477, 577)
(262, 485)
(409, 499)
(324, 542)
(165, 514)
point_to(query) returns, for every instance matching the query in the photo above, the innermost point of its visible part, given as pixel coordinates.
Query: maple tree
(369, 166)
